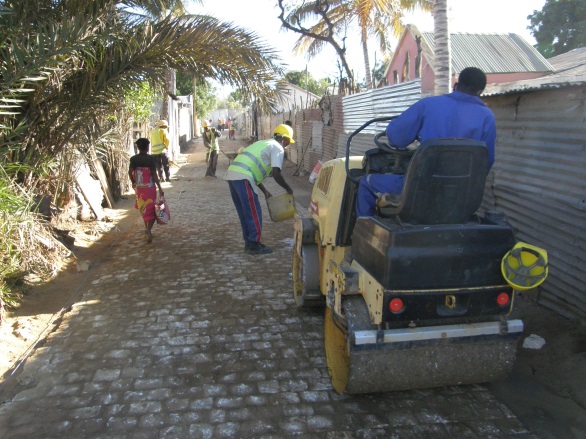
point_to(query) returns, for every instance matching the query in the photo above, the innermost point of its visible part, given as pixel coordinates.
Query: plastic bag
(162, 211)
(315, 171)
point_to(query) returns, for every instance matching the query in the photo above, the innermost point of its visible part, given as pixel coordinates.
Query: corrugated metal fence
(321, 133)
(539, 182)
(380, 102)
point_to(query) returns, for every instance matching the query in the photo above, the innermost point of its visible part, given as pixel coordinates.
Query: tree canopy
(303, 79)
(559, 27)
(65, 64)
(205, 93)
(322, 22)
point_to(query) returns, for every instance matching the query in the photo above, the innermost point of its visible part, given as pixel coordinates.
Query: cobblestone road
(189, 337)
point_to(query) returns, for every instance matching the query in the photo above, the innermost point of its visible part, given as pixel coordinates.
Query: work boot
(256, 248)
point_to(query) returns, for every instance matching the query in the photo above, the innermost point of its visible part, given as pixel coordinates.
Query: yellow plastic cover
(525, 266)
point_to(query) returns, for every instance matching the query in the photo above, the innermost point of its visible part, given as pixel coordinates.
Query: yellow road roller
(416, 296)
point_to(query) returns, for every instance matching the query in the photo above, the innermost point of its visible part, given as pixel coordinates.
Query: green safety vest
(213, 141)
(249, 162)
(158, 141)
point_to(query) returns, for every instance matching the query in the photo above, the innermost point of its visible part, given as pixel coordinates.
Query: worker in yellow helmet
(245, 176)
(204, 125)
(159, 146)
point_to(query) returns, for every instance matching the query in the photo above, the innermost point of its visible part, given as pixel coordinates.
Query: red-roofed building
(503, 57)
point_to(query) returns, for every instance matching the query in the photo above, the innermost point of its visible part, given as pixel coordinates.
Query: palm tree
(373, 17)
(158, 11)
(65, 68)
(442, 53)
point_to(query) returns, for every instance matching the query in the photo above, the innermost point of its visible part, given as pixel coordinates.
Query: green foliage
(321, 23)
(205, 93)
(237, 96)
(303, 79)
(230, 103)
(205, 99)
(184, 83)
(379, 70)
(27, 246)
(559, 27)
(63, 72)
(139, 100)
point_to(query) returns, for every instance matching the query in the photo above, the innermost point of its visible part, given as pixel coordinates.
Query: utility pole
(306, 84)
(194, 116)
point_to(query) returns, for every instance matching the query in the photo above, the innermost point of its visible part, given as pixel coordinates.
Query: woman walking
(143, 174)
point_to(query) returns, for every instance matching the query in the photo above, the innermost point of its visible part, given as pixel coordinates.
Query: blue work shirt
(455, 114)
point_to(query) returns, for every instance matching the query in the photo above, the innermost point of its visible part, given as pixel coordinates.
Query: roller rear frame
(385, 353)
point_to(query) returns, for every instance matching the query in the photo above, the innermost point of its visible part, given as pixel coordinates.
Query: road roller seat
(444, 183)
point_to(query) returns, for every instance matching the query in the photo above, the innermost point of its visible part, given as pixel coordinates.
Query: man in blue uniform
(460, 114)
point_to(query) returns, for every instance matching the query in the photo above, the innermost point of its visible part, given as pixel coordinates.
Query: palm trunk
(169, 88)
(443, 59)
(368, 76)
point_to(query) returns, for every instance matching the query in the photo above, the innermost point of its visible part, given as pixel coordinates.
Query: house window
(395, 77)
(406, 65)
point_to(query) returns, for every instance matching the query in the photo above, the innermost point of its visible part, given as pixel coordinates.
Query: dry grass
(29, 250)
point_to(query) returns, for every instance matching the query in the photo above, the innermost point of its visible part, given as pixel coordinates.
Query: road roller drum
(403, 365)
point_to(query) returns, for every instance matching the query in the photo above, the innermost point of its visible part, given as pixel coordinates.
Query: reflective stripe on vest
(249, 162)
(157, 143)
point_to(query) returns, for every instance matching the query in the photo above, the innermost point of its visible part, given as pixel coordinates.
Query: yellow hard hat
(204, 123)
(525, 266)
(285, 131)
(162, 123)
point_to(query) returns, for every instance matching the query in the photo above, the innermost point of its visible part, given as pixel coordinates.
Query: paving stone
(191, 337)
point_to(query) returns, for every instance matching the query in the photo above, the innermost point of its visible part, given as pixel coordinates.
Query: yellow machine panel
(327, 197)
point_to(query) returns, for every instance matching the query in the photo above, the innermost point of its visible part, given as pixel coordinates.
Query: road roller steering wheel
(383, 143)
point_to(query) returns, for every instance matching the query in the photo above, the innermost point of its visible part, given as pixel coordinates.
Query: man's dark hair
(142, 144)
(472, 80)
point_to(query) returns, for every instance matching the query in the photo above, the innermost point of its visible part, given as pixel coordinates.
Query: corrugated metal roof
(493, 53)
(556, 80)
(570, 71)
(570, 63)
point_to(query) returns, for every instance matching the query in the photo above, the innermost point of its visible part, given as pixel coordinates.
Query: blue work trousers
(249, 211)
(372, 184)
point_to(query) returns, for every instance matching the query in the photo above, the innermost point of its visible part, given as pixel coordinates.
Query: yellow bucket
(281, 207)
